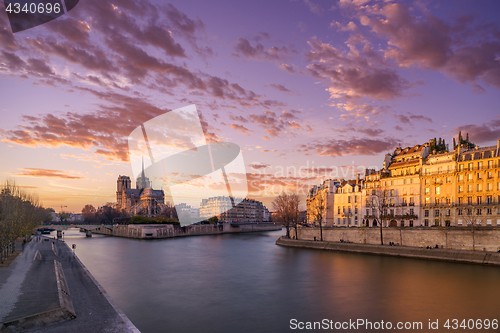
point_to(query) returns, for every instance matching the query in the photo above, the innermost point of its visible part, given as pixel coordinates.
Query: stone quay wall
(157, 231)
(458, 256)
(485, 238)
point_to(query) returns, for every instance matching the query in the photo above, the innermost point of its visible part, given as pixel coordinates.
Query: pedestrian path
(12, 278)
(29, 287)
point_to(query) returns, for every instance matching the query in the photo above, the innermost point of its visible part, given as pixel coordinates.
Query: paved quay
(457, 256)
(29, 287)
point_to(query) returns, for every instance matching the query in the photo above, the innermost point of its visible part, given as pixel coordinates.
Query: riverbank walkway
(32, 289)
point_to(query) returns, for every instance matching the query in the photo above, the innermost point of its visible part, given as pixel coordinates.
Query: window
(411, 201)
(448, 179)
(479, 187)
(489, 199)
(338, 220)
(479, 200)
(436, 212)
(459, 221)
(479, 165)
(479, 211)
(469, 177)
(426, 222)
(338, 210)
(426, 213)
(469, 188)
(460, 201)
(436, 201)
(427, 190)
(427, 201)
(460, 189)
(461, 178)
(348, 199)
(448, 212)
(490, 164)
(489, 187)
(461, 167)
(367, 212)
(438, 190)
(488, 211)
(469, 200)
(426, 181)
(355, 210)
(412, 212)
(470, 166)
(479, 175)
(460, 212)
(411, 180)
(490, 174)
(355, 199)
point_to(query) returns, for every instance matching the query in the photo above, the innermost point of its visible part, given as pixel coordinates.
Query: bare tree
(88, 213)
(473, 218)
(286, 207)
(20, 214)
(318, 210)
(378, 201)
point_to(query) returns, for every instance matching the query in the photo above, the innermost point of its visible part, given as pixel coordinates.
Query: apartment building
(321, 198)
(478, 186)
(348, 204)
(418, 187)
(246, 211)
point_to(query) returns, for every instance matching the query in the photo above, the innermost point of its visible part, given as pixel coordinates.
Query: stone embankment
(460, 256)
(457, 238)
(159, 231)
(47, 288)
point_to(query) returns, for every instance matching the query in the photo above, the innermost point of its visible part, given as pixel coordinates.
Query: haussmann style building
(424, 185)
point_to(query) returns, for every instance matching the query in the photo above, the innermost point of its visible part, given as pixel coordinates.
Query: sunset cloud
(466, 50)
(356, 146)
(245, 49)
(46, 173)
(353, 75)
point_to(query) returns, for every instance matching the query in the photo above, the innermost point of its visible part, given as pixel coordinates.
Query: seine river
(246, 283)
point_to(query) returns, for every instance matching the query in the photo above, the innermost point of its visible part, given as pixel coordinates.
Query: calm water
(246, 283)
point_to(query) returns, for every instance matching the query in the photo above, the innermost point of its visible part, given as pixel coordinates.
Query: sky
(308, 89)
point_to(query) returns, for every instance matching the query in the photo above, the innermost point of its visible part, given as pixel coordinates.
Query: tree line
(20, 214)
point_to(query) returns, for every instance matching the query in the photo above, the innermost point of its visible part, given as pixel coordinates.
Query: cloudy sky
(308, 89)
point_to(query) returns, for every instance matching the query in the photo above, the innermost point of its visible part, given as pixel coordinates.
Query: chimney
(498, 144)
(357, 178)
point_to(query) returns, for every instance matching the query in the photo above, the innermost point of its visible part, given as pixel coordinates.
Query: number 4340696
(471, 324)
(34, 8)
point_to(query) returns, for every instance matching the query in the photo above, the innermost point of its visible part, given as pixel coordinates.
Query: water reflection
(245, 283)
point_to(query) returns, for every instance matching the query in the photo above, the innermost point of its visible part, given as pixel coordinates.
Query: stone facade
(417, 187)
(246, 211)
(485, 238)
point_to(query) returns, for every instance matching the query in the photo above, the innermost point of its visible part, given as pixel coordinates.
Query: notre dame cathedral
(141, 200)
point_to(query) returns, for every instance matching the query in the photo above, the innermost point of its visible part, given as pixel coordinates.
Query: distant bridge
(87, 228)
